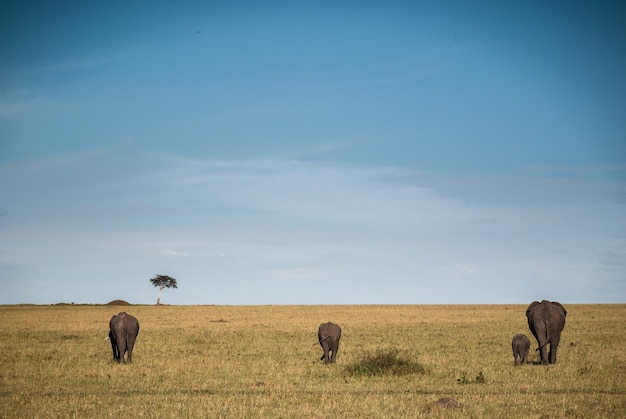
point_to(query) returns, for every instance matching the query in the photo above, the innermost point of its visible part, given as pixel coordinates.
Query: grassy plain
(262, 361)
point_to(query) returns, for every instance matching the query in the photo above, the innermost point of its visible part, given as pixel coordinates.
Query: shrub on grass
(385, 362)
(480, 379)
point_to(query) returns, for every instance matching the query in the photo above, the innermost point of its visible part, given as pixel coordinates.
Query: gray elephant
(546, 321)
(328, 336)
(123, 330)
(520, 346)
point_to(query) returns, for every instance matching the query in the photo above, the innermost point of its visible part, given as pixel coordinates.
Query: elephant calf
(328, 336)
(123, 330)
(521, 346)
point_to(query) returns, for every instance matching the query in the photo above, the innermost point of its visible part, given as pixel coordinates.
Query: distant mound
(118, 303)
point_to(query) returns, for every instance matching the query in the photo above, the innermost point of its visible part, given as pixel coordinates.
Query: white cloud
(294, 274)
(456, 269)
(582, 169)
(170, 252)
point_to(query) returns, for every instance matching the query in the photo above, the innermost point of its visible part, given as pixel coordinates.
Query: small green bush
(384, 362)
(480, 379)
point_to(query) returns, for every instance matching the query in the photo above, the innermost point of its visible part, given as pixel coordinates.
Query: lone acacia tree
(163, 281)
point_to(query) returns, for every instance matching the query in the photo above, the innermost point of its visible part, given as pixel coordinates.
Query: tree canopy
(163, 281)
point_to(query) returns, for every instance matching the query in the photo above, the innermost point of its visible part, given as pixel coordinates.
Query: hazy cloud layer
(373, 234)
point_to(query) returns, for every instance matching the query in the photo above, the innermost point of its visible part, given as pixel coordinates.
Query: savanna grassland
(263, 361)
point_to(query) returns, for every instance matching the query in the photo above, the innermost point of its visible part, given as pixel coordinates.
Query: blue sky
(329, 153)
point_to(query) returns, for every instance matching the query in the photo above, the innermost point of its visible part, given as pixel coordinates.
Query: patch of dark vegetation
(218, 321)
(385, 362)
(449, 403)
(70, 337)
(118, 303)
(480, 379)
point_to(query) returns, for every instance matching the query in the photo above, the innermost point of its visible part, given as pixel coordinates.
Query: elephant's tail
(321, 341)
(542, 346)
(547, 337)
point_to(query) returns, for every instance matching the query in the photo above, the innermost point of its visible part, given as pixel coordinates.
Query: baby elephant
(328, 336)
(520, 345)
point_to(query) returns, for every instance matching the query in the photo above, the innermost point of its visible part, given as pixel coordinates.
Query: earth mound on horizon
(118, 303)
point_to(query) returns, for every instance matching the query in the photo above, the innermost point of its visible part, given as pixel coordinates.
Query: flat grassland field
(262, 361)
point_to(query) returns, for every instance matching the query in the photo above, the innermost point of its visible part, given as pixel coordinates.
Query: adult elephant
(546, 320)
(328, 336)
(123, 330)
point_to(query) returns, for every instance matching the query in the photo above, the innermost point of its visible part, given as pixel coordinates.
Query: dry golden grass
(219, 361)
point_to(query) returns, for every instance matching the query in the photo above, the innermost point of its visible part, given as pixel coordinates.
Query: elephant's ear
(561, 307)
(530, 307)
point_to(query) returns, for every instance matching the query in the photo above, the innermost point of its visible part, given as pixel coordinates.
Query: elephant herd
(546, 320)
